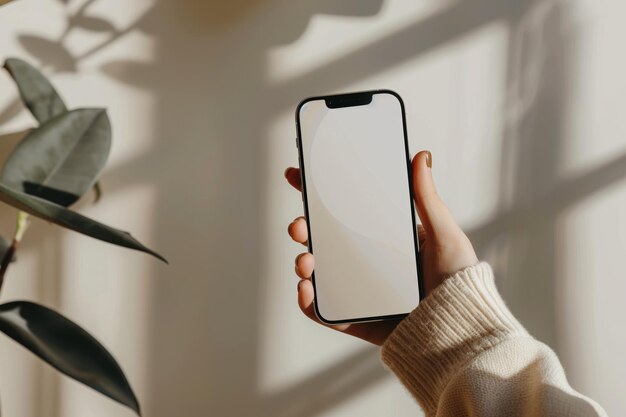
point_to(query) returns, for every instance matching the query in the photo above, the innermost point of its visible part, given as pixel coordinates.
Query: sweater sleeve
(462, 353)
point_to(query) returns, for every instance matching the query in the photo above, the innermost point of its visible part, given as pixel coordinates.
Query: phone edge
(420, 279)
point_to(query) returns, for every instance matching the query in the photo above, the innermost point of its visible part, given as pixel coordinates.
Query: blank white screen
(359, 207)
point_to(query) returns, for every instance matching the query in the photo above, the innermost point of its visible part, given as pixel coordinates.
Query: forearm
(461, 352)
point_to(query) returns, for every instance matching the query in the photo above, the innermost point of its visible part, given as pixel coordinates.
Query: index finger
(293, 177)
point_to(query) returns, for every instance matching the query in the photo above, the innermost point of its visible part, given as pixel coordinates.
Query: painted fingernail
(429, 159)
(287, 171)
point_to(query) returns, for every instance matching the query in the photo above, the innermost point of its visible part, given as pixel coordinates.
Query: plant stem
(21, 226)
(20, 229)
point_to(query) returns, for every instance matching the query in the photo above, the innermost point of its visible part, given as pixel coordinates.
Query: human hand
(444, 248)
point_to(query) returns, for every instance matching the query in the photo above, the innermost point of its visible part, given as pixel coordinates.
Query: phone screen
(362, 231)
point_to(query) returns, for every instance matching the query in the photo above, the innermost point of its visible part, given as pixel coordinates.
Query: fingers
(305, 262)
(298, 230)
(293, 177)
(305, 299)
(305, 302)
(372, 332)
(421, 235)
(433, 213)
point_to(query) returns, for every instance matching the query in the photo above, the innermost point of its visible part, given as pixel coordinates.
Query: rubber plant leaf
(62, 159)
(67, 347)
(69, 219)
(37, 93)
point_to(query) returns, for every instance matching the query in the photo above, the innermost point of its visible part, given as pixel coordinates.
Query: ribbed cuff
(461, 318)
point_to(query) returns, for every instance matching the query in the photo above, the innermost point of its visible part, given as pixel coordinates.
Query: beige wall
(522, 107)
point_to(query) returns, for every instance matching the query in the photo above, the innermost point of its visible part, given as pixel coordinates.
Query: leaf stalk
(20, 228)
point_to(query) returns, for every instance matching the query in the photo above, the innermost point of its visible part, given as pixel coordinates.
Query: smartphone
(358, 205)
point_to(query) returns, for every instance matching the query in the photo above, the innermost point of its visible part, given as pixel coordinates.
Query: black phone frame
(347, 100)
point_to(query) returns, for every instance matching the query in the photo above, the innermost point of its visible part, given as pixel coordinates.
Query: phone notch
(349, 100)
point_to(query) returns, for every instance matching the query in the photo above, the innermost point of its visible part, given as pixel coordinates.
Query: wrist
(461, 318)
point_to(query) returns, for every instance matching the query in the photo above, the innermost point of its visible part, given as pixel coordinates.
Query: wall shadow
(538, 90)
(204, 332)
(231, 165)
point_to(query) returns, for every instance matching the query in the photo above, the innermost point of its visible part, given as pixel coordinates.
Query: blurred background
(521, 103)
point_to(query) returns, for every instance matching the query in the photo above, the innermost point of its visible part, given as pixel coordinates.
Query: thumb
(433, 213)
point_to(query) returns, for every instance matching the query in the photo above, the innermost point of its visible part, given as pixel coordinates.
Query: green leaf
(67, 347)
(38, 94)
(69, 219)
(61, 160)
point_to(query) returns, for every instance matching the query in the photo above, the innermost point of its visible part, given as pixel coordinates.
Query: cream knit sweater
(462, 353)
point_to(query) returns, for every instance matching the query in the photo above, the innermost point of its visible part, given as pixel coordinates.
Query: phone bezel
(357, 99)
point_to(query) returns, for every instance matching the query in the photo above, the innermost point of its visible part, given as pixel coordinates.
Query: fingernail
(429, 159)
(287, 171)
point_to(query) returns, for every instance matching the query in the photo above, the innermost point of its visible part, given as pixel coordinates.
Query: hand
(444, 248)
